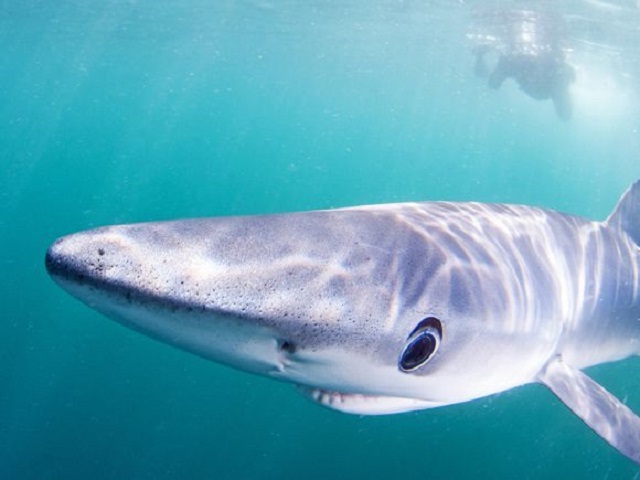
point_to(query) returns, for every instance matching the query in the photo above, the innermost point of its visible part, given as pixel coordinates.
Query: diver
(530, 53)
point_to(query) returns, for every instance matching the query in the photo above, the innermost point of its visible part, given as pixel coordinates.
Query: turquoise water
(123, 111)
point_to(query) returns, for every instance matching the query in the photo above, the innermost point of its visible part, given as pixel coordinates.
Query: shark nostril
(287, 346)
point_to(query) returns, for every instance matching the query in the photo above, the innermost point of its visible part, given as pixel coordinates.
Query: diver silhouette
(531, 55)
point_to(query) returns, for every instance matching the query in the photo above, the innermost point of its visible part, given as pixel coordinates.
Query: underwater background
(118, 111)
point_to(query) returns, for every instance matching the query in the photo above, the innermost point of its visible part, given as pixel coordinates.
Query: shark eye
(422, 343)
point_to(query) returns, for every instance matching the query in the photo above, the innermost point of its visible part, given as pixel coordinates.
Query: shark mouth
(361, 404)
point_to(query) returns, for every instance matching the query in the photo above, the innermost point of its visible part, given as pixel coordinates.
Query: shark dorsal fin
(626, 215)
(600, 410)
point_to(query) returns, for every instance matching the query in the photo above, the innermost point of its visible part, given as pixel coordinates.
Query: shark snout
(84, 258)
(63, 262)
(54, 261)
(166, 297)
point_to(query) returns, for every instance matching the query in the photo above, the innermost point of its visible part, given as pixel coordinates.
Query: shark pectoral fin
(600, 410)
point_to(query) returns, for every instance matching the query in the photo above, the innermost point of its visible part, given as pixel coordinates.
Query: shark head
(362, 310)
(387, 308)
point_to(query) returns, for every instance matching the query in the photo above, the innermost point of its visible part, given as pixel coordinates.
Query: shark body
(385, 308)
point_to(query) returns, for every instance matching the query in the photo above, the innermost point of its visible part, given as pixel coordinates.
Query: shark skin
(385, 308)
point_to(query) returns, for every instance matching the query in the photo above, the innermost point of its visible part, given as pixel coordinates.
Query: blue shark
(385, 308)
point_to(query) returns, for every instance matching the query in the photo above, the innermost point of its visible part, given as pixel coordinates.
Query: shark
(388, 308)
